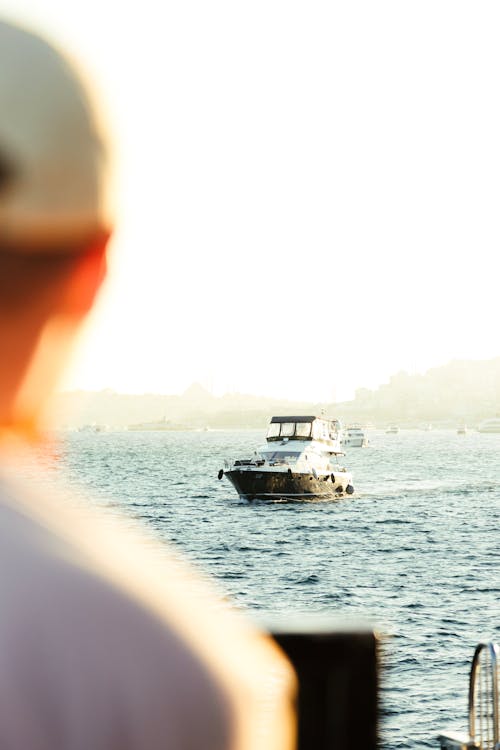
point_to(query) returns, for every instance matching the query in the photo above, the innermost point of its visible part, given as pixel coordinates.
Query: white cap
(53, 186)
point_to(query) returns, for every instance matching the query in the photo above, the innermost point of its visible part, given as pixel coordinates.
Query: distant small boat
(461, 429)
(393, 429)
(490, 425)
(354, 437)
(91, 428)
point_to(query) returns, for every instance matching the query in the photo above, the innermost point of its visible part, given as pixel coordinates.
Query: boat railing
(231, 463)
(484, 728)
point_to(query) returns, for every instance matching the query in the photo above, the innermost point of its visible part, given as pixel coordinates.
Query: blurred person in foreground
(101, 645)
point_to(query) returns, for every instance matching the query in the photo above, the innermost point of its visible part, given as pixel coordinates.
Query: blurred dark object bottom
(338, 687)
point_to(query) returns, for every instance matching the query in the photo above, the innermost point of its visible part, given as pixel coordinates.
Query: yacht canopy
(279, 420)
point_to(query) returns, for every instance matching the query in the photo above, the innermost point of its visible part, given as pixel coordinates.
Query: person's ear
(86, 277)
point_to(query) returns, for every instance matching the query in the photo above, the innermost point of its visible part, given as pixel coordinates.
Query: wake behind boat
(299, 462)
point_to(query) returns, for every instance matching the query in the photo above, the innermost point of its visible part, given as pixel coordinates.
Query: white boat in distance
(490, 425)
(298, 462)
(93, 428)
(354, 437)
(393, 429)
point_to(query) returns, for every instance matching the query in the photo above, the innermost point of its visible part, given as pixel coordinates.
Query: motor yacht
(299, 461)
(393, 429)
(354, 437)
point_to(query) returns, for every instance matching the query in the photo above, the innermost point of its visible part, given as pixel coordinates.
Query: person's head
(54, 218)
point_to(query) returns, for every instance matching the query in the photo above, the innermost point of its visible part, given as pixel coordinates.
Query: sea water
(415, 552)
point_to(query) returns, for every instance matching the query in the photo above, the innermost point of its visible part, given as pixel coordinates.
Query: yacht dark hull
(279, 485)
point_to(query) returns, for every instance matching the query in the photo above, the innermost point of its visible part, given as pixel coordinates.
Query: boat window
(287, 429)
(303, 429)
(280, 456)
(274, 430)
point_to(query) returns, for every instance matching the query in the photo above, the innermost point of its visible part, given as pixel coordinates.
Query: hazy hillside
(460, 390)
(195, 408)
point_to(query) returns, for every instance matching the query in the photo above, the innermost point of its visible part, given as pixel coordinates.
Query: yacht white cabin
(328, 432)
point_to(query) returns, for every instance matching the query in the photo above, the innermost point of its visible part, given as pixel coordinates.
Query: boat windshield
(303, 429)
(274, 430)
(274, 457)
(289, 430)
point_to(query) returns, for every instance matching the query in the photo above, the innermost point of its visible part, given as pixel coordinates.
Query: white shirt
(102, 647)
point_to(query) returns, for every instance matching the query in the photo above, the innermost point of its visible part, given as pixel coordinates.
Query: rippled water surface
(415, 551)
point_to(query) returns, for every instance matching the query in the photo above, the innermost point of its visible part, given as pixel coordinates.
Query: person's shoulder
(165, 648)
(107, 652)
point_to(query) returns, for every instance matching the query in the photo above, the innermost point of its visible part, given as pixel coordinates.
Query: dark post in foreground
(338, 680)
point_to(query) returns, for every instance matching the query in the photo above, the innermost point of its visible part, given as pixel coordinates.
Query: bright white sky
(309, 191)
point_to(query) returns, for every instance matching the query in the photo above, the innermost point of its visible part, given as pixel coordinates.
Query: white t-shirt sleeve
(104, 646)
(83, 667)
